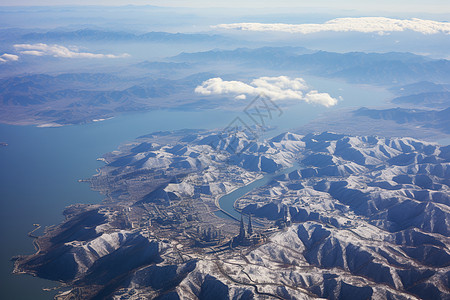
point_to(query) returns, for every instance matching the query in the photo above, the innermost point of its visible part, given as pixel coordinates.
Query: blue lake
(40, 167)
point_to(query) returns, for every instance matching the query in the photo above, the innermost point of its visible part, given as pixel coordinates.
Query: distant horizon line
(331, 10)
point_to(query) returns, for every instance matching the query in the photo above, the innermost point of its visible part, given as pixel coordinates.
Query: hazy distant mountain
(424, 93)
(245, 54)
(380, 68)
(91, 35)
(165, 66)
(432, 100)
(80, 97)
(438, 119)
(420, 88)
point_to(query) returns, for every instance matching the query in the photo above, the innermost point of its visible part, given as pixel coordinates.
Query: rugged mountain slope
(370, 219)
(376, 208)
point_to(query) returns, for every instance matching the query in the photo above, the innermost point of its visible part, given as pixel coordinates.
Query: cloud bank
(60, 51)
(276, 88)
(8, 57)
(378, 25)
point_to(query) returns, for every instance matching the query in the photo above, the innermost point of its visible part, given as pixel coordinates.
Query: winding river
(226, 202)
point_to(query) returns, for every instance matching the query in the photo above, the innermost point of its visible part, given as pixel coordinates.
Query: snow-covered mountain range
(370, 219)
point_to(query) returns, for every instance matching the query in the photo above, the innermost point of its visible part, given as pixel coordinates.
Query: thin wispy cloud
(276, 88)
(60, 51)
(378, 25)
(8, 57)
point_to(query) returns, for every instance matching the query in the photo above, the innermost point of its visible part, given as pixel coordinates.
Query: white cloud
(8, 57)
(378, 25)
(60, 51)
(216, 86)
(276, 88)
(320, 98)
(241, 97)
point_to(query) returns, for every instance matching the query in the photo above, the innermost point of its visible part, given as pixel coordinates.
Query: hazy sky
(432, 6)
